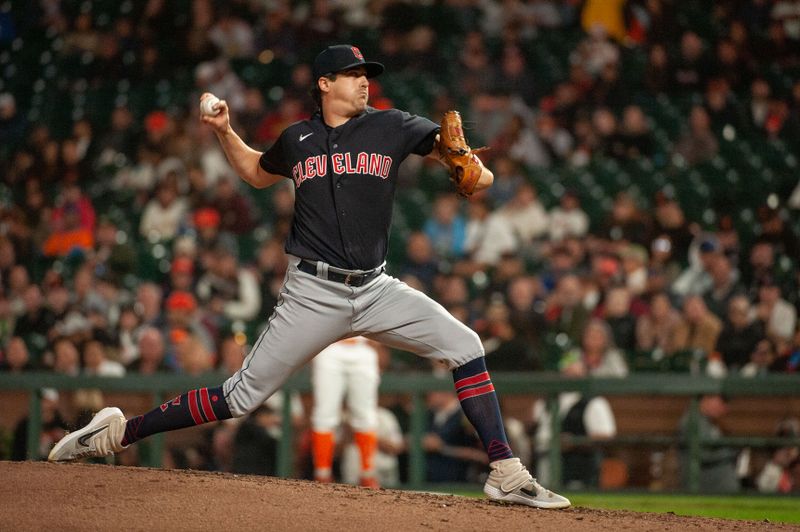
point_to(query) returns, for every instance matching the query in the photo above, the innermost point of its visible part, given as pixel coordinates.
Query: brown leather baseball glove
(465, 168)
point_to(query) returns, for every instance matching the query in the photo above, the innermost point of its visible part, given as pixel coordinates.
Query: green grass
(751, 507)
(755, 507)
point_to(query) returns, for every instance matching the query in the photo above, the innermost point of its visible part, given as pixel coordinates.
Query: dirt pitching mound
(43, 496)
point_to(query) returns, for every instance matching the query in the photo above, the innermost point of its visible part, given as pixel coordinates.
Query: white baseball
(207, 106)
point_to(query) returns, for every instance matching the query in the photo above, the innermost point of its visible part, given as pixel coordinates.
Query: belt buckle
(347, 279)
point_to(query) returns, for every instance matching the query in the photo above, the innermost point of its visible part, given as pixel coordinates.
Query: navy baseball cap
(341, 57)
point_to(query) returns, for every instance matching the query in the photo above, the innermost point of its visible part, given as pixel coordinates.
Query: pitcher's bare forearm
(245, 160)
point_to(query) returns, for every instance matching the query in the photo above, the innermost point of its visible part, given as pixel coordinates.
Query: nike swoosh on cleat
(83, 439)
(526, 491)
(304, 137)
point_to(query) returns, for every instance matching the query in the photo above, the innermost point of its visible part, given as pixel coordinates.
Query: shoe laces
(538, 488)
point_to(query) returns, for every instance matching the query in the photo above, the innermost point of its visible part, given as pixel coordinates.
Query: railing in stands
(417, 384)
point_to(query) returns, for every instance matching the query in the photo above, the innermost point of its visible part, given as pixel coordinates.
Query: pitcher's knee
(462, 348)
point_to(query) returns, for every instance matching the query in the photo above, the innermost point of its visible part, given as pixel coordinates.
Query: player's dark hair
(316, 94)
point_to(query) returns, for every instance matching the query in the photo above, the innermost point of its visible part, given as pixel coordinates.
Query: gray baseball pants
(313, 312)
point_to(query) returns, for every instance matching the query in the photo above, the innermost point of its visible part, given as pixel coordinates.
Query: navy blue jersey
(345, 179)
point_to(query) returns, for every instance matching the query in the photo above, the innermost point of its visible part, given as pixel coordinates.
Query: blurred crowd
(128, 245)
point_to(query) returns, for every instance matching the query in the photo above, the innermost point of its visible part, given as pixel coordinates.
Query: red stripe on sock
(475, 379)
(466, 394)
(195, 411)
(498, 451)
(205, 402)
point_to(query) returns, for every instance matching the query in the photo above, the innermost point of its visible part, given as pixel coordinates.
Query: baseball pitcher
(343, 162)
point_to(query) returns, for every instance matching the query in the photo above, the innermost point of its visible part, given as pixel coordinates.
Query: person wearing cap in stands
(182, 315)
(181, 274)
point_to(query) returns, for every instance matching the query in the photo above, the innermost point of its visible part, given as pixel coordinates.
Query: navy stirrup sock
(192, 408)
(479, 403)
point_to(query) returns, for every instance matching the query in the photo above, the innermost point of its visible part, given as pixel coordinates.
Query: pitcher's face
(351, 88)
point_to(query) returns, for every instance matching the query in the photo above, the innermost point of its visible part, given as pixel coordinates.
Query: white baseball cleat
(509, 481)
(101, 437)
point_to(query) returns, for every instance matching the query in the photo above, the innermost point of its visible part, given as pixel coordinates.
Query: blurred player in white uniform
(348, 367)
(386, 462)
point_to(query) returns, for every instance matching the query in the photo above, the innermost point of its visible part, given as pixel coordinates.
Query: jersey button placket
(339, 180)
(332, 146)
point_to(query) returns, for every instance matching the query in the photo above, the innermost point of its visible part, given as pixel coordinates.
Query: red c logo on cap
(357, 53)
